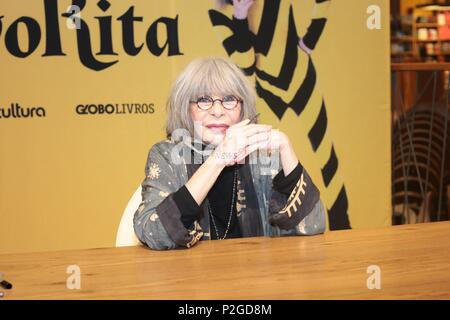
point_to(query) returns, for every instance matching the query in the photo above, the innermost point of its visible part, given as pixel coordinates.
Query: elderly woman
(220, 174)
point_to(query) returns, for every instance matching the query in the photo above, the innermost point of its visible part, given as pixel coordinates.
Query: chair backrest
(125, 233)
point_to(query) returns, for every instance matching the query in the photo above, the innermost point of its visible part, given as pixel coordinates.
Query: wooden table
(414, 261)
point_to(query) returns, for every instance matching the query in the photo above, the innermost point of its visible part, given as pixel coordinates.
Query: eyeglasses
(206, 102)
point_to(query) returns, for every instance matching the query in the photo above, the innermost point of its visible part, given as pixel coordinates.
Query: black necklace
(231, 210)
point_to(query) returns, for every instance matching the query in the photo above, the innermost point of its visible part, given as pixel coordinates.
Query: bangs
(215, 78)
(207, 76)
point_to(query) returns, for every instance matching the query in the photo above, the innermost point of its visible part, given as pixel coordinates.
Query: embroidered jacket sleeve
(158, 220)
(295, 207)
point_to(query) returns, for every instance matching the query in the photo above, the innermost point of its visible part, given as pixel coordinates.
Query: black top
(220, 197)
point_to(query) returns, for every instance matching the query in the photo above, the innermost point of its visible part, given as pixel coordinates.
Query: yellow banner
(84, 86)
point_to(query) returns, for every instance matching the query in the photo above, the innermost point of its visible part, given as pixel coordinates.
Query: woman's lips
(218, 127)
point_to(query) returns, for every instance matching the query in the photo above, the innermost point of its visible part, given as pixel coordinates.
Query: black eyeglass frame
(214, 100)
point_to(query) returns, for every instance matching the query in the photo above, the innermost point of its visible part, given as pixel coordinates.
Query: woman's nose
(217, 108)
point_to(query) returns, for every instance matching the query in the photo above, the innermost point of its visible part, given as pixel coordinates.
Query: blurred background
(420, 56)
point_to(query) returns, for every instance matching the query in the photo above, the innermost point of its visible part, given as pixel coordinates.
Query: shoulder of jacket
(169, 151)
(164, 145)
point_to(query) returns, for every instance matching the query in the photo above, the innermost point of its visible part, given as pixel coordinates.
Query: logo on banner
(116, 108)
(74, 15)
(17, 111)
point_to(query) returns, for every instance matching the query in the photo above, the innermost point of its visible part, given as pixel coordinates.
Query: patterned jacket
(261, 210)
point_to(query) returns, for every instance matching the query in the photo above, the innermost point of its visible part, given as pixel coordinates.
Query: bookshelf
(402, 39)
(430, 33)
(422, 35)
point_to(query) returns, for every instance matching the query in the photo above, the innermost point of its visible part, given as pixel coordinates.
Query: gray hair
(207, 76)
(223, 3)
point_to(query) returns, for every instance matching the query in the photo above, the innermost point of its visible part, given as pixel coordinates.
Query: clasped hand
(241, 139)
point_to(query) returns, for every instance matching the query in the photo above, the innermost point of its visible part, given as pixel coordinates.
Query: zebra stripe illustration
(256, 43)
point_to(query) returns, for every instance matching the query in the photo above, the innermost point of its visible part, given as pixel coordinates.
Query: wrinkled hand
(241, 8)
(240, 140)
(276, 140)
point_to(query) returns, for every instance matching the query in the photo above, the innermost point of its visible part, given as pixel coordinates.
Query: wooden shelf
(418, 44)
(415, 66)
(402, 39)
(427, 25)
(402, 53)
(407, 38)
(439, 54)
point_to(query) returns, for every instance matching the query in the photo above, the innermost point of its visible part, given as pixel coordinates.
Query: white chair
(125, 233)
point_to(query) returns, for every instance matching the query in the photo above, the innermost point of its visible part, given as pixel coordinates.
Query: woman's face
(211, 125)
